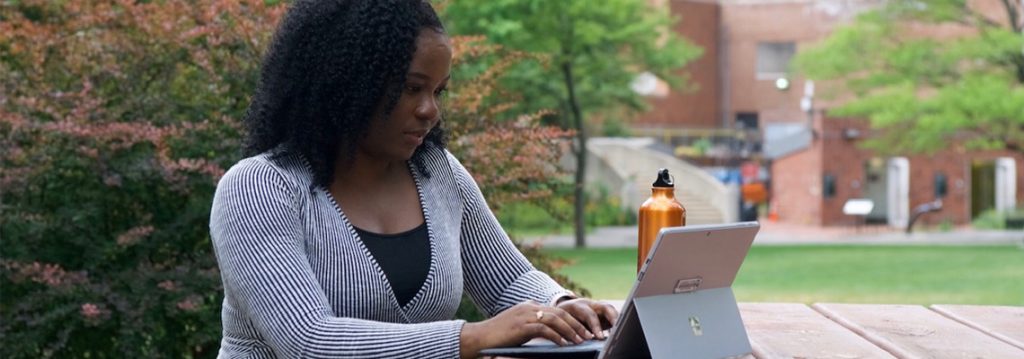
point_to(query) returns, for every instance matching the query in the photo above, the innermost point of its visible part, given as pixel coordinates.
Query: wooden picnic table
(791, 330)
(828, 330)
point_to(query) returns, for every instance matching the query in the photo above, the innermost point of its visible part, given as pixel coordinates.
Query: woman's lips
(416, 137)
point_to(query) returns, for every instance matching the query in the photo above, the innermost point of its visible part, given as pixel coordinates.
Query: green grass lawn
(830, 273)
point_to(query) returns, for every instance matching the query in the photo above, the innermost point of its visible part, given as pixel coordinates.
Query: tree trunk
(1012, 11)
(1011, 14)
(580, 150)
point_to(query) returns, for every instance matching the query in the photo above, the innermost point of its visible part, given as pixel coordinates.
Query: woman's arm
(497, 275)
(258, 239)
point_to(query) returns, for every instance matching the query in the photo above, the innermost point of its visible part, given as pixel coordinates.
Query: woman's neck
(364, 171)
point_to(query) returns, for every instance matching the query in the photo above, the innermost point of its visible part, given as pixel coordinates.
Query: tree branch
(1011, 13)
(978, 19)
(1018, 61)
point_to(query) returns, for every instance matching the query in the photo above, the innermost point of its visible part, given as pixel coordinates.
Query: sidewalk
(789, 234)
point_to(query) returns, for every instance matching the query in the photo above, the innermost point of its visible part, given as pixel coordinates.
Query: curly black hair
(331, 64)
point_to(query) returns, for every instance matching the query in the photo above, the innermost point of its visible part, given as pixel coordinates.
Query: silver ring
(540, 315)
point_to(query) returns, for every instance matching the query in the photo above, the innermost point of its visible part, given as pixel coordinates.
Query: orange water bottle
(659, 211)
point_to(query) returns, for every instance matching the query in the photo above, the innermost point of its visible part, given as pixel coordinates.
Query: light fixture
(649, 85)
(782, 84)
(851, 133)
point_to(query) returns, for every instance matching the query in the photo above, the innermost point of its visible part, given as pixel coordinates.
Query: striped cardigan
(299, 283)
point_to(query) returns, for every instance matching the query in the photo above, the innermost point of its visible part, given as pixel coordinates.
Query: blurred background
(879, 143)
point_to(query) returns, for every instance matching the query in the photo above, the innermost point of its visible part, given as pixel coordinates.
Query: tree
(930, 74)
(589, 53)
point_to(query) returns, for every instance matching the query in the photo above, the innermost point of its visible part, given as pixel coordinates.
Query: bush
(604, 209)
(116, 121)
(554, 214)
(998, 220)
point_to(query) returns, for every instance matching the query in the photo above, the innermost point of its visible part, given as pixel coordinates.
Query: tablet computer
(681, 304)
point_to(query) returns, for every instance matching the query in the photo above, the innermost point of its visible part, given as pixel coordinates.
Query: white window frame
(899, 191)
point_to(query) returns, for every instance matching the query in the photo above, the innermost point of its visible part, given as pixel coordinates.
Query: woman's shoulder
(442, 162)
(274, 167)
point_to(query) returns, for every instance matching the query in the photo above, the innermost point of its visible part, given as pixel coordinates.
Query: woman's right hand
(519, 324)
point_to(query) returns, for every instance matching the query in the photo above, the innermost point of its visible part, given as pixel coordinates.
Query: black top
(404, 258)
(664, 179)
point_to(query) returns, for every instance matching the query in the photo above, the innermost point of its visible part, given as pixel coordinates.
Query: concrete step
(627, 167)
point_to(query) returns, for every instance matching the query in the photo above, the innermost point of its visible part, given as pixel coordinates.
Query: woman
(351, 231)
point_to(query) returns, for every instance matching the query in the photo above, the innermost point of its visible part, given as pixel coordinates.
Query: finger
(559, 320)
(609, 313)
(585, 314)
(543, 331)
(576, 315)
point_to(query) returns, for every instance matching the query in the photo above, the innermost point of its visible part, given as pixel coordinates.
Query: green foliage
(612, 128)
(925, 92)
(532, 219)
(604, 209)
(586, 58)
(607, 44)
(116, 121)
(555, 214)
(997, 220)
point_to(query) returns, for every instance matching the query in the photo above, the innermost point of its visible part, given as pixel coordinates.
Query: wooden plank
(792, 330)
(1003, 323)
(912, 331)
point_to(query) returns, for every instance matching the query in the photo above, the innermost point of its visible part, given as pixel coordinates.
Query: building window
(773, 59)
(746, 120)
(941, 185)
(828, 186)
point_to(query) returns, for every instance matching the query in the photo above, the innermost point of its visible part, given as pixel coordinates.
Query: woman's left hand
(590, 313)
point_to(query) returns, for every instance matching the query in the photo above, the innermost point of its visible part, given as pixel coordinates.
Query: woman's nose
(428, 109)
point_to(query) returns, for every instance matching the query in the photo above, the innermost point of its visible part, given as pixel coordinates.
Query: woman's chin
(407, 155)
(397, 154)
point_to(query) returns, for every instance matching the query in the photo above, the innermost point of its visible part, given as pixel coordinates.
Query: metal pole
(807, 103)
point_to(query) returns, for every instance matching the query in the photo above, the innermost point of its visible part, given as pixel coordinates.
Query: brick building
(744, 81)
(811, 186)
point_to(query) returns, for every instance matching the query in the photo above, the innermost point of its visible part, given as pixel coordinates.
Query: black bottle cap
(664, 180)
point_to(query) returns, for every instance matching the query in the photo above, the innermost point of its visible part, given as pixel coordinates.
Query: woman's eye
(413, 88)
(440, 91)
